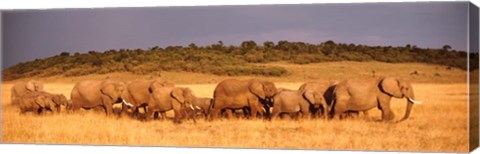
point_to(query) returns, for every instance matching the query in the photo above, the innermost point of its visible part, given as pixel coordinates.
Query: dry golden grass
(440, 124)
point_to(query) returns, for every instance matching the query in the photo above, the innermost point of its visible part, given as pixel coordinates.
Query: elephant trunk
(409, 109)
(410, 101)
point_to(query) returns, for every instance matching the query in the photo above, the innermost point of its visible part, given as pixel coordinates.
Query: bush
(229, 60)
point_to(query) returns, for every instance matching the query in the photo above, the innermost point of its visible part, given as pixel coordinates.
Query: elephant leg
(205, 114)
(155, 115)
(230, 113)
(339, 108)
(315, 111)
(39, 111)
(354, 114)
(262, 111)
(296, 115)
(305, 110)
(216, 110)
(191, 115)
(164, 115)
(74, 108)
(149, 114)
(176, 118)
(365, 115)
(145, 108)
(136, 112)
(123, 110)
(275, 113)
(387, 114)
(325, 111)
(245, 111)
(108, 109)
(253, 113)
(58, 108)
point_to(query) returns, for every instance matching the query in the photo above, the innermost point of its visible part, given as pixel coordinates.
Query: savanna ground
(439, 125)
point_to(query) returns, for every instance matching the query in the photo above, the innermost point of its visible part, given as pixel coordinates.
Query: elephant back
(231, 87)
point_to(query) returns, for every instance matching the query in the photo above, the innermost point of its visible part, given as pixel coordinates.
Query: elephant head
(265, 90)
(60, 99)
(399, 89)
(34, 86)
(113, 92)
(44, 102)
(184, 96)
(314, 98)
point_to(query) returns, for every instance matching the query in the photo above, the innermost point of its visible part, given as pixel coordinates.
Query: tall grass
(440, 124)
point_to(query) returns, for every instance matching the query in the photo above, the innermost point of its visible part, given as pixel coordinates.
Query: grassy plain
(439, 125)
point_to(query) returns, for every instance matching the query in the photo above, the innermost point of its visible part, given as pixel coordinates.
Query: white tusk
(414, 101)
(126, 103)
(191, 106)
(198, 107)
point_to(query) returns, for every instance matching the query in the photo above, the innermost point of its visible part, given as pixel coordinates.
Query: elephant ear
(391, 86)
(30, 86)
(40, 101)
(257, 89)
(177, 93)
(108, 90)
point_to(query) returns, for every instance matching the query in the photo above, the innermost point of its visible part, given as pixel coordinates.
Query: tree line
(220, 59)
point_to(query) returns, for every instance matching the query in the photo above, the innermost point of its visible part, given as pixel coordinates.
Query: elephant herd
(254, 97)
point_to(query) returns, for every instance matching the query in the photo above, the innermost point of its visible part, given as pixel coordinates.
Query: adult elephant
(312, 91)
(363, 95)
(88, 94)
(168, 97)
(237, 94)
(138, 95)
(21, 88)
(293, 101)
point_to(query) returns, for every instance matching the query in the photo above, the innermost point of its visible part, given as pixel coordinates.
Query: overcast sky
(30, 34)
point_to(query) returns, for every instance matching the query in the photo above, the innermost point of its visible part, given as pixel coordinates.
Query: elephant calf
(202, 105)
(293, 101)
(166, 98)
(40, 101)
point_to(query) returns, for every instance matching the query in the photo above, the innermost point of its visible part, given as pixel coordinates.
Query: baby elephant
(294, 102)
(40, 101)
(202, 105)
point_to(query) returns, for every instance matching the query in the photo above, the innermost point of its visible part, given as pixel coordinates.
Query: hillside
(325, 71)
(247, 59)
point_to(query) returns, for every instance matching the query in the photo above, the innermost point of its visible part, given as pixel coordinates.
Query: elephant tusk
(414, 101)
(126, 103)
(191, 106)
(198, 107)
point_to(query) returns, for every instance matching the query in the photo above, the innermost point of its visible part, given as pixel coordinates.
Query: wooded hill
(219, 59)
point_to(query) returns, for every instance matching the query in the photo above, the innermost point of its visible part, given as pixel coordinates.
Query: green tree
(268, 45)
(248, 45)
(65, 54)
(193, 46)
(446, 47)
